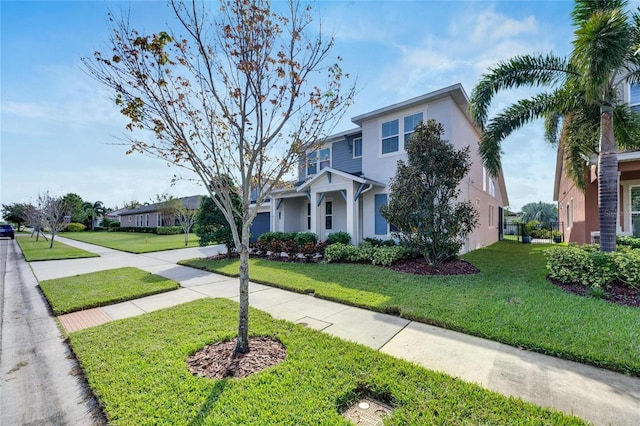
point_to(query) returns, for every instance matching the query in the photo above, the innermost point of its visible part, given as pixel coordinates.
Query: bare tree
(167, 206)
(242, 93)
(32, 215)
(186, 218)
(50, 213)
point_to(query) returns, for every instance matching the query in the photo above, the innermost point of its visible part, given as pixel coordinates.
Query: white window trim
(317, 151)
(492, 212)
(401, 132)
(354, 147)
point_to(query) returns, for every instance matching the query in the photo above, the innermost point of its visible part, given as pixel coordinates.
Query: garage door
(260, 225)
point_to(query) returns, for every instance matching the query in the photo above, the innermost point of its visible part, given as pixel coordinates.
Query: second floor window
(357, 148)
(410, 123)
(390, 137)
(318, 160)
(634, 97)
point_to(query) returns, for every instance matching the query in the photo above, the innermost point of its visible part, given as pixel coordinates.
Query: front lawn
(133, 242)
(509, 301)
(102, 288)
(39, 250)
(137, 369)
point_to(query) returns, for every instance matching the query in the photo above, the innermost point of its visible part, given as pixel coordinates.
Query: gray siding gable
(342, 156)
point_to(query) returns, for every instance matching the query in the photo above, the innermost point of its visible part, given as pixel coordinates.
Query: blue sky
(59, 128)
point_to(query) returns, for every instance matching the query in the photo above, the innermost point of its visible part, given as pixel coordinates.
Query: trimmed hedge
(169, 230)
(135, 229)
(590, 267)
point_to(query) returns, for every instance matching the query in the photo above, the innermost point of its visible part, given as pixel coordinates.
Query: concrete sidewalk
(596, 395)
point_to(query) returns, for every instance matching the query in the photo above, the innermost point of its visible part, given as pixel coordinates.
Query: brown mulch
(419, 266)
(217, 361)
(615, 293)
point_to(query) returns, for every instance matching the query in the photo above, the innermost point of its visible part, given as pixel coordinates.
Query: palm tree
(584, 99)
(94, 210)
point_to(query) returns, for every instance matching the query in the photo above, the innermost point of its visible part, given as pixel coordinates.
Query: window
(318, 160)
(312, 166)
(328, 215)
(147, 220)
(390, 136)
(381, 227)
(492, 223)
(159, 219)
(410, 123)
(308, 216)
(635, 210)
(357, 148)
(634, 96)
(492, 187)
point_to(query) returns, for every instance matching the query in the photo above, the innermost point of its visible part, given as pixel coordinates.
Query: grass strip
(102, 288)
(133, 242)
(509, 301)
(39, 250)
(137, 369)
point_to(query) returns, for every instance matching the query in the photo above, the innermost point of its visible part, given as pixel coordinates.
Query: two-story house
(342, 183)
(579, 209)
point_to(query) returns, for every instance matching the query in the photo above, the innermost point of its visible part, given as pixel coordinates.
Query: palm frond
(626, 127)
(520, 71)
(502, 125)
(584, 9)
(600, 48)
(551, 126)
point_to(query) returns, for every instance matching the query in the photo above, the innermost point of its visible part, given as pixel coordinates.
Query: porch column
(351, 216)
(314, 214)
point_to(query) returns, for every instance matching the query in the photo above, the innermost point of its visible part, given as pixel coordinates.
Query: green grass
(133, 242)
(39, 250)
(102, 288)
(510, 301)
(137, 369)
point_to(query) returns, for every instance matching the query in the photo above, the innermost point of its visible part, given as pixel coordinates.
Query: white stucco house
(342, 184)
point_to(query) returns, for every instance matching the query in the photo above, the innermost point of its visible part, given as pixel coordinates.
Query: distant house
(579, 210)
(150, 216)
(343, 183)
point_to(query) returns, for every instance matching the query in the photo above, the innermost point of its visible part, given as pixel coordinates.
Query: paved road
(40, 381)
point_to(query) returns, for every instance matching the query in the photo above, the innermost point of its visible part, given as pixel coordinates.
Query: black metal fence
(534, 234)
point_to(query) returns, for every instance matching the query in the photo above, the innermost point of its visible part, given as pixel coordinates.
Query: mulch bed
(218, 361)
(615, 293)
(419, 266)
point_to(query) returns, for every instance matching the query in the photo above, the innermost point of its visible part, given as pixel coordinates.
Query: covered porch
(329, 202)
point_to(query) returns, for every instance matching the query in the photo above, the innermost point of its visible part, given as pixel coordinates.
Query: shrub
(304, 238)
(339, 237)
(169, 230)
(99, 228)
(377, 242)
(633, 242)
(339, 252)
(113, 225)
(75, 227)
(387, 256)
(584, 265)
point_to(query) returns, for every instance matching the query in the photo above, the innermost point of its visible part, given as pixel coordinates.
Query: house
(579, 209)
(342, 183)
(151, 216)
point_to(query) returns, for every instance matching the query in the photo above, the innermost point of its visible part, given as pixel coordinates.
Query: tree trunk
(607, 182)
(242, 345)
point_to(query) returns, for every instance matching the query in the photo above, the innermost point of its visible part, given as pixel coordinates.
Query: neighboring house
(150, 217)
(579, 210)
(343, 183)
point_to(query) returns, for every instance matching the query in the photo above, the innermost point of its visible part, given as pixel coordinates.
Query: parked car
(7, 231)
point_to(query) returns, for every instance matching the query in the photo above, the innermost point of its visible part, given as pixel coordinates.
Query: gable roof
(327, 170)
(456, 92)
